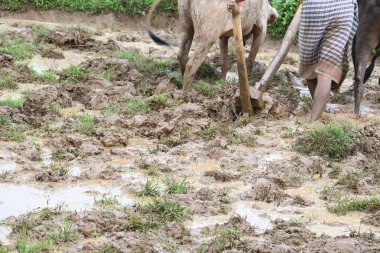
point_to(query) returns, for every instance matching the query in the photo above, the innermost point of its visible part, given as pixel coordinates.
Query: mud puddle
(19, 199)
(41, 65)
(261, 215)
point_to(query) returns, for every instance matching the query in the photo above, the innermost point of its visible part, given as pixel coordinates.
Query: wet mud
(107, 154)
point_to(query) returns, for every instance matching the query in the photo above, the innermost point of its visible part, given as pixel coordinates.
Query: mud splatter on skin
(114, 157)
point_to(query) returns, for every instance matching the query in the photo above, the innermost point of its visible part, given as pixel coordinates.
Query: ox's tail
(153, 36)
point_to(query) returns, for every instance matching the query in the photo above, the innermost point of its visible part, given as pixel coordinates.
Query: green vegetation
(286, 10)
(13, 102)
(206, 72)
(74, 73)
(360, 204)
(108, 248)
(206, 89)
(39, 31)
(226, 239)
(131, 7)
(8, 130)
(161, 99)
(150, 189)
(351, 178)
(48, 77)
(174, 186)
(108, 201)
(25, 247)
(85, 124)
(153, 168)
(65, 234)
(18, 47)
(177, 138)
(150, 68)
(154, 215)
(7, 81)
(129, 107)
(331, 141)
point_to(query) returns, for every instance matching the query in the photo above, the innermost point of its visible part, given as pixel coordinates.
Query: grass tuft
(7, 81)
(13, 102)
(23, 246)
(352, 204)
(108, 202)
(85, 124)
(150, 68)
(331, 141)
(154, 215)
(8, 130)
(150, 189)
(174, 186)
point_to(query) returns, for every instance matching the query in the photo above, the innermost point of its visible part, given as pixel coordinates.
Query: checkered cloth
(326, 32)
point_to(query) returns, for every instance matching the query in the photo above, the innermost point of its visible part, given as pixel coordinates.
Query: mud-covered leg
(259, 33)
(196, 59)
(187, 34)
(224, 58)
(362, 59)
(183, 53)
(359, 87)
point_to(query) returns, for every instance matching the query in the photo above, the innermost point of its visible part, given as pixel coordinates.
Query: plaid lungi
(326, 31)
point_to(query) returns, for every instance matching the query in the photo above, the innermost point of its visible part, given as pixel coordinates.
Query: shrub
(286, 10)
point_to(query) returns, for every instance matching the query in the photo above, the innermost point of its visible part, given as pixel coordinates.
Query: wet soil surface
(107, 154)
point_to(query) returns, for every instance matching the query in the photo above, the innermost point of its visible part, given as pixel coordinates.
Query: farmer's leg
(321, 97)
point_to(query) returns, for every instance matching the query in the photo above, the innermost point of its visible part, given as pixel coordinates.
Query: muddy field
(101, 151)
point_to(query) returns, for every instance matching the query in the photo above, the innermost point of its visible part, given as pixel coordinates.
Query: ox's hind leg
(187, 30)
(183, 53)
(224, 57)
(259, 33)
(202, 47)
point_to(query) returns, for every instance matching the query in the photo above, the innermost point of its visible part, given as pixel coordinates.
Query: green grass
(206, 89)
(150, 68)
(154, 215)
(85, 124)
(178, 138)
(226, 239)
(108, 201)
(108, 248)
(18, 47)
(74, 73)
(39, 31)
(48, 77)
(351, 178)
(8, 130)
(150, 189)
(7, 81)
(65, 234)
(130, 107)
(174, 186)
(13, 102)
(360, 204)
(153, 168)
(23, 246)
(206, 72)
(331, 141)
(130, 7)
(161, 99)
(56, 108)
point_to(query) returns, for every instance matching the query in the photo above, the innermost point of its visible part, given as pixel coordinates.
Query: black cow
(366, 46)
